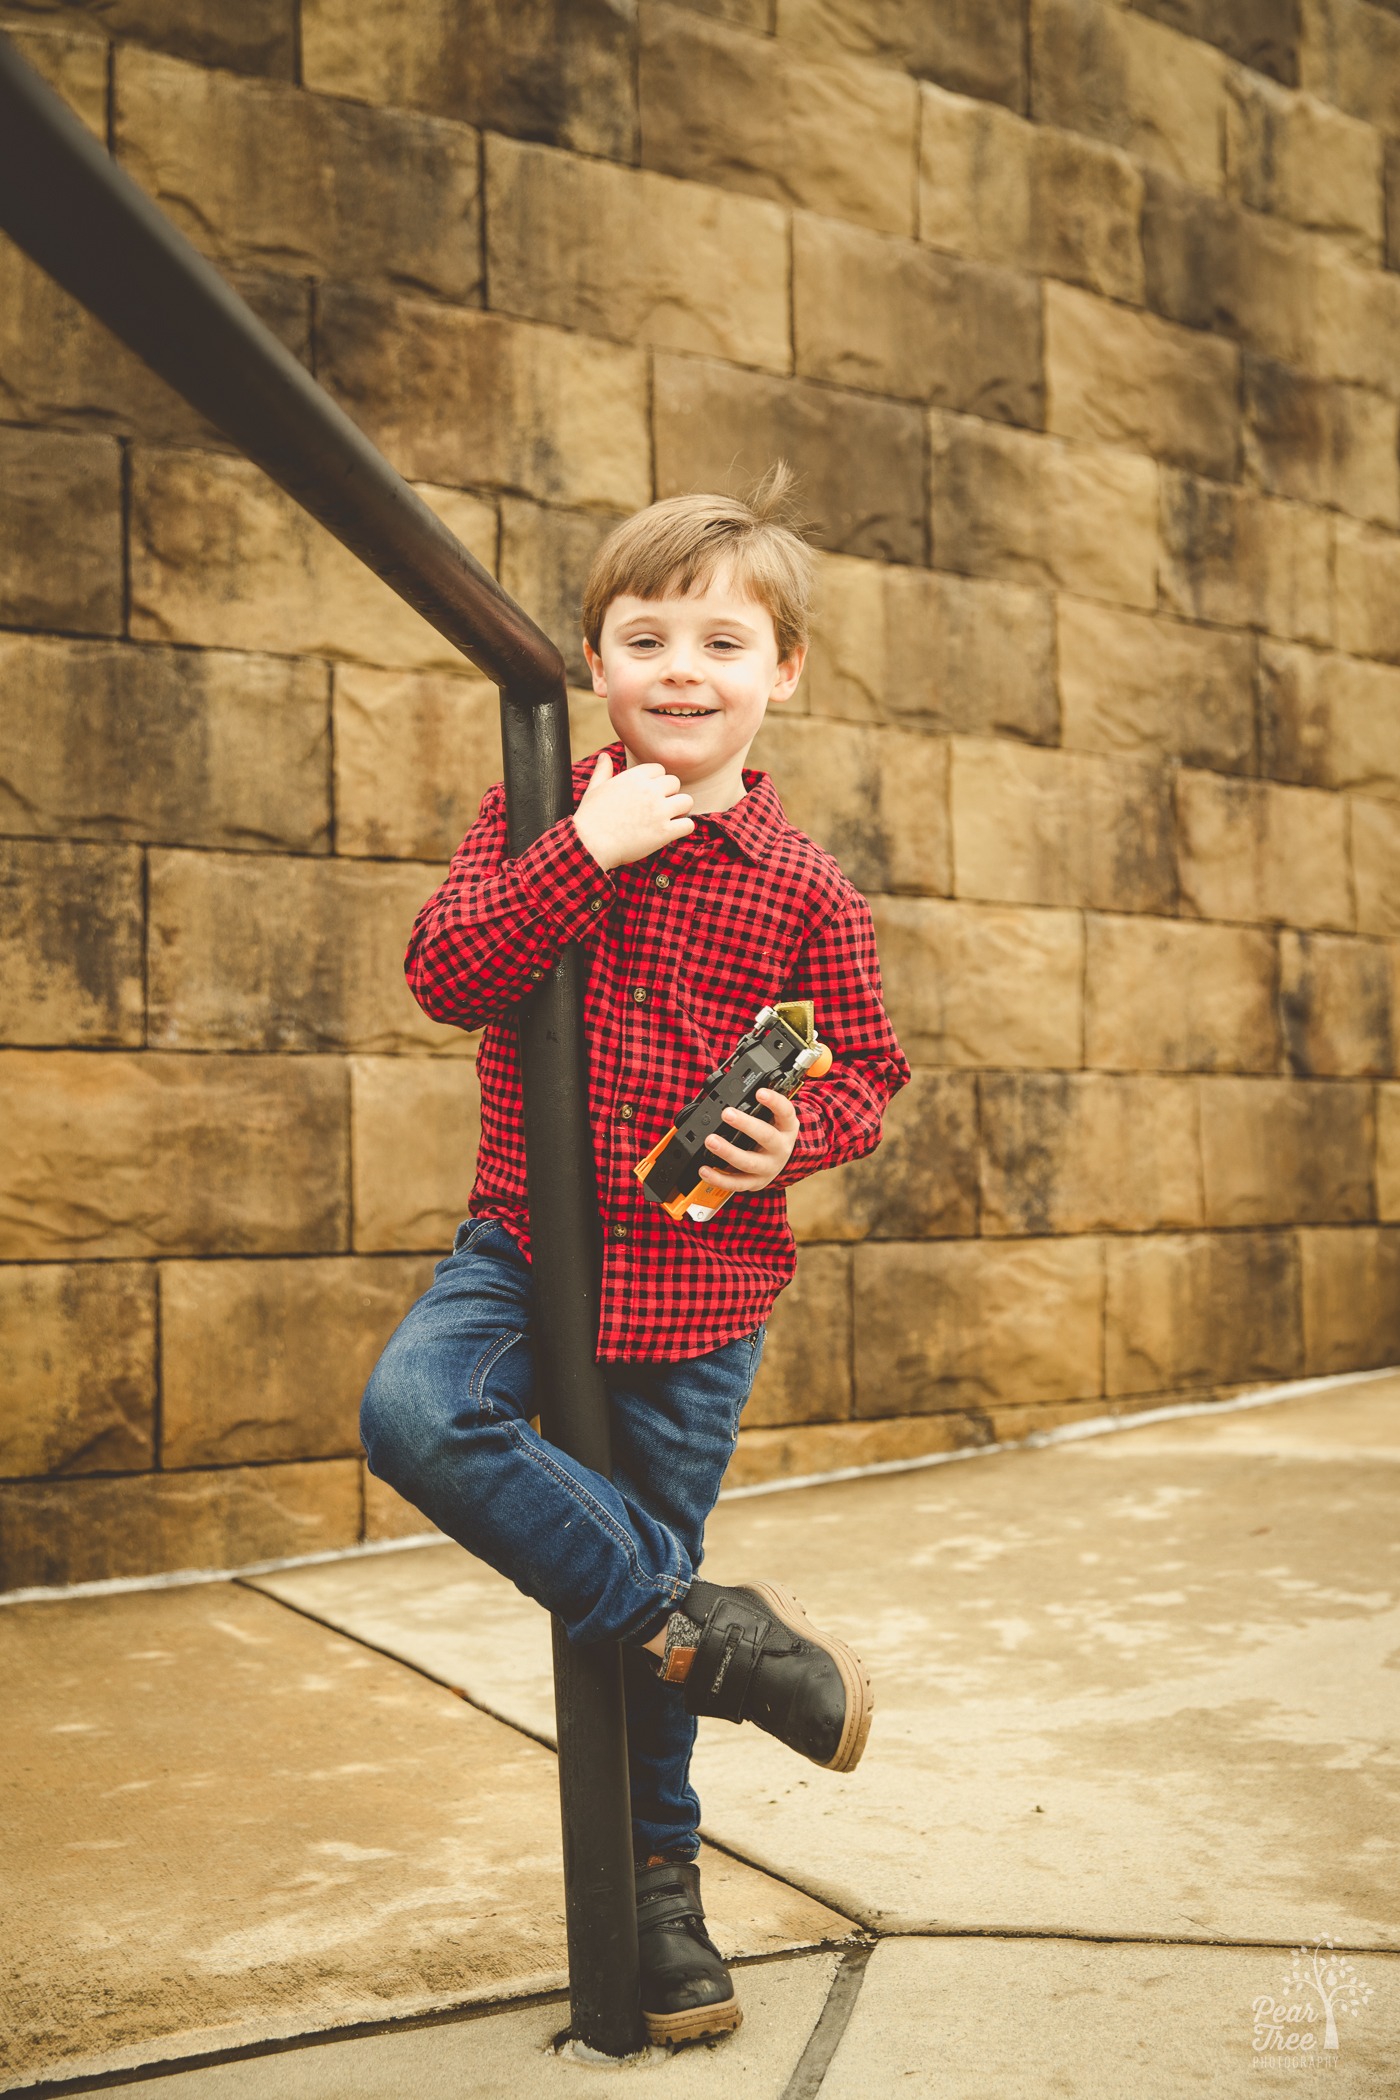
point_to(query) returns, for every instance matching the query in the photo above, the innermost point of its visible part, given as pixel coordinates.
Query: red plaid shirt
(683, 948)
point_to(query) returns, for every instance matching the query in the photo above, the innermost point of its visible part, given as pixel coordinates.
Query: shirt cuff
(809, 1154)
(565, 880)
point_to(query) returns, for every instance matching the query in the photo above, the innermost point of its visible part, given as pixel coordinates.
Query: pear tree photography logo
(1301, 2030)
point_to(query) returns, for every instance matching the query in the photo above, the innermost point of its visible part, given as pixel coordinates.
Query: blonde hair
(674, 545)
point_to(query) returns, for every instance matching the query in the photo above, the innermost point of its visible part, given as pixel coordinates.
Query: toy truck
(780, 1051)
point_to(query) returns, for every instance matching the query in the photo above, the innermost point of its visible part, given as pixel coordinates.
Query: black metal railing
(65, 202)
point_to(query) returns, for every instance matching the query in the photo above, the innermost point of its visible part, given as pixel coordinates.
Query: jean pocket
(499, 1345)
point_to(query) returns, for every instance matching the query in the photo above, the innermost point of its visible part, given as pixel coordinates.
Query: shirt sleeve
(839, 1117)
(497, 925)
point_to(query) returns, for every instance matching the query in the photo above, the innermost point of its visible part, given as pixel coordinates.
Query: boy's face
(688, 679)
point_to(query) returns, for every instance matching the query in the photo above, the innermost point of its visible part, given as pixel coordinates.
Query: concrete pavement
(1135, 1742)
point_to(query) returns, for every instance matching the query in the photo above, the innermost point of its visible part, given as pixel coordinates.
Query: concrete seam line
(825, 2038)
(1039, 1439)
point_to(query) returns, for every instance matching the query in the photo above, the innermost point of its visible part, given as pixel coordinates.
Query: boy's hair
(674, 545)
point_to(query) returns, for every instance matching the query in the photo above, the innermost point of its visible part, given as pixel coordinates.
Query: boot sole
(855, 1679)
(696, 2023)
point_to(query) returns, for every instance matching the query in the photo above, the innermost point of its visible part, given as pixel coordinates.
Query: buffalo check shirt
(682, 950)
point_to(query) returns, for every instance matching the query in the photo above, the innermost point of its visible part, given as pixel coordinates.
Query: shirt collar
(749, 830)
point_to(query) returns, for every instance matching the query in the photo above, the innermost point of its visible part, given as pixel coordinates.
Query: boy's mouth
(683, 714)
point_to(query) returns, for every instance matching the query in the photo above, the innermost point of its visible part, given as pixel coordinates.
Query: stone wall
(1082, 324)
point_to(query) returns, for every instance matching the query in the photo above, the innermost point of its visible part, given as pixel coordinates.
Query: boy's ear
(595, 665)
(788, 673)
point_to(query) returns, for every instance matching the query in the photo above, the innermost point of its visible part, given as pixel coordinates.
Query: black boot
(687, 1993)
(759, 1658)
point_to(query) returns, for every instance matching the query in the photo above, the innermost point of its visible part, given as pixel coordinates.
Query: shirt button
(536, 976)
(663, 882)
(627, 1111)
(640, 994)
(595, 904)
(619, 1232)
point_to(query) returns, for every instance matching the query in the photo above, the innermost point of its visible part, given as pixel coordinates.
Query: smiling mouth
(683, 714)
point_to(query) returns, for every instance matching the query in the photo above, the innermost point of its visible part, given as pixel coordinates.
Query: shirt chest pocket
(723, 978)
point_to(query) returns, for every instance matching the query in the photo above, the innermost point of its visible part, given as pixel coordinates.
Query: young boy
(696, 904)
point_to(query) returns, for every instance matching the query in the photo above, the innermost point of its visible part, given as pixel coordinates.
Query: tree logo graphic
(1333, 1977)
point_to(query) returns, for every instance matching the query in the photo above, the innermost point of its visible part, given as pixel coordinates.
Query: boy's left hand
(754, 1170)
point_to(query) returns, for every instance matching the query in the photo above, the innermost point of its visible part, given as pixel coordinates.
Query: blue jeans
(446, 1421)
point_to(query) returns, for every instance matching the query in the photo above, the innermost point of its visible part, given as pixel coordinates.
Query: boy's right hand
(625, 816)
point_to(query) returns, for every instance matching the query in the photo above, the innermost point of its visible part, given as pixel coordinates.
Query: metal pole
(65, 202)
(600, 1901)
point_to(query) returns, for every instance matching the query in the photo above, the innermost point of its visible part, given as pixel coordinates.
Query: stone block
(222, 558)
(1263, 34)
(1286, 1151)
(993, 186)
(1250, 850)
(1375, 855)
(1166, 995)
(861, 461)
(1355, 331)
(387, 1515)
(628, 253)
(71, 944)
(1208, 264)
(805, 1375)
(1338, 997)
(545, 558)
(64, 1531)
(106, 740)
(415, 751)
(1321, 443)
(1034, 509)
(1132, 82)
(1280, 291)
(899, 644)
(1060, 827)
(897, 317)
(980, 985)
(262, 173)
(60, 367)
(1368, 590)
(1351, 1300)
(975, 46)
(921, 1184)
(1295, 156)
(266, 1360)
(1132, 379)
(60, 532)
(562, 71)
(1205, 1309)
(258, 36)
(73, 62)
(1350, 57)
(265, 952)
(1388, 1153)
(126, 1155)
(1242, 560)
(1133, 685)
(814, 1449)
(416, 1125)
(966, 1324)
(755, 113)
(1066, 1152)
(467, 398)
(1329, 721)
(876, 798)
(78, 1367)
